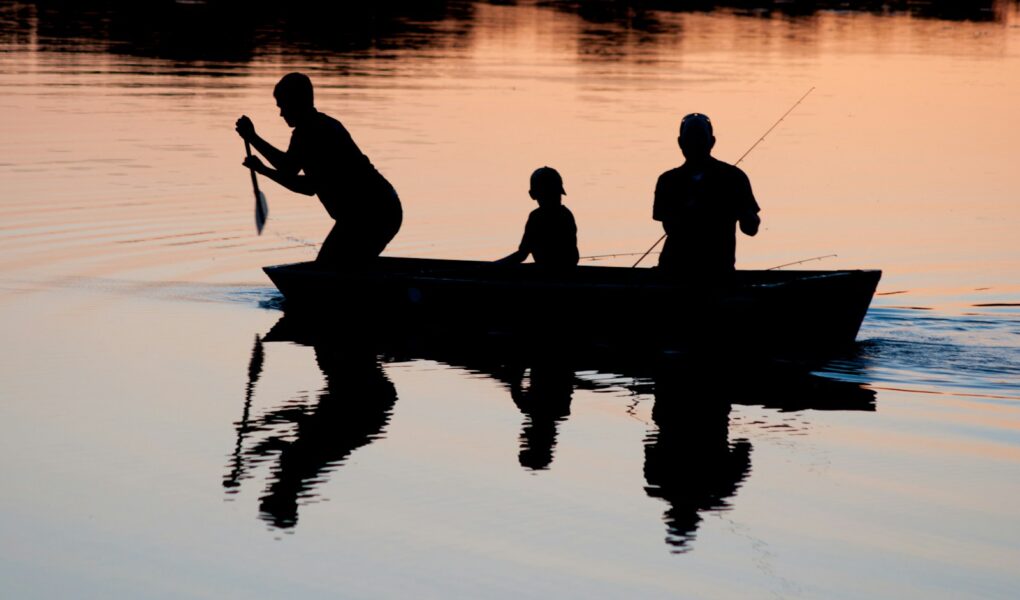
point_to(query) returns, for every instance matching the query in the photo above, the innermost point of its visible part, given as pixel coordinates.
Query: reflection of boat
(804, 311)
(691, 463)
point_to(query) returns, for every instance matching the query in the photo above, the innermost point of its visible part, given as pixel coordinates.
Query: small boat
(799, 312)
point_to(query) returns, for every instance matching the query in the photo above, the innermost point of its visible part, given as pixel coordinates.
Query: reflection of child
(550, 235)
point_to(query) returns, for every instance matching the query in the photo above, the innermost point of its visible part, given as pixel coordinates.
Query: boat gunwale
(515, 277)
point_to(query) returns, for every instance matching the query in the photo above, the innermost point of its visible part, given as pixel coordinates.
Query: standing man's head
(294, 97)
(546, 186)
(696, 139)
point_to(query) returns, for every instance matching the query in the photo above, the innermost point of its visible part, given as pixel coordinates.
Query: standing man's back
(699, 204)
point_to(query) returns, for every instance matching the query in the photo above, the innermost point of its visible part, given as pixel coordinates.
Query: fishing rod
(753, 146)
(800, 262)
(601, 256)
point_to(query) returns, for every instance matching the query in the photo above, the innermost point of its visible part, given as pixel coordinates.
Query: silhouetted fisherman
(550, 236)
(364, 205)
(700, 202)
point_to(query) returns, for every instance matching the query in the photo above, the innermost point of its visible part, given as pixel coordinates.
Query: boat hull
(792, 311)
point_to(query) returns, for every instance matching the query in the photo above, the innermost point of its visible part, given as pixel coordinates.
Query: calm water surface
(154, 442)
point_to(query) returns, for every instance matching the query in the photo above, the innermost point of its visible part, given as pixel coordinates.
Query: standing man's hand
(245, 128)
(253, 163)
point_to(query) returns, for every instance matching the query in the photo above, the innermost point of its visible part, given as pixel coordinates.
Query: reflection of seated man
(700, 202)
(550, 236)
(689, 461)
(363, 204)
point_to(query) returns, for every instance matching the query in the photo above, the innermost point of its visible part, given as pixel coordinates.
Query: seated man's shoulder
(672, 173)
(729, 170)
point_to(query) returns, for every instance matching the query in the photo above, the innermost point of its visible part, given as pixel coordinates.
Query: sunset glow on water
(151, 448)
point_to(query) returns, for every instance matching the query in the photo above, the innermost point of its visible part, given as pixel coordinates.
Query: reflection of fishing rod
(753, 146)
(254, 370)
(801, 262)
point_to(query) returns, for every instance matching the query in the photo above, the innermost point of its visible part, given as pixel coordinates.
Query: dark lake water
(164, 435)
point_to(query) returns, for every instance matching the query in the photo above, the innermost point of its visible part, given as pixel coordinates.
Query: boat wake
(972, 354)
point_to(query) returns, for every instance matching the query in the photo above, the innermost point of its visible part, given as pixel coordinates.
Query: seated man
(550, 236)
(699, 204)
(364, 205)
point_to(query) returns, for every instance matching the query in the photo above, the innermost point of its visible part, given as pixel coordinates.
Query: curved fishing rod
(617, 255)
(800, 262)
(742, 157)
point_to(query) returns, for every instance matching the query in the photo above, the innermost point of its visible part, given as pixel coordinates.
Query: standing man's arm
(276, 157)
(301, 184)
(286, 171)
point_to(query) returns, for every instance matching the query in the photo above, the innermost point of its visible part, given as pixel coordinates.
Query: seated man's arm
(660, 206)
(749, 223)
(747, 207)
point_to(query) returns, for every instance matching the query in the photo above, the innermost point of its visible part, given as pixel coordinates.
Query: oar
(258, 357)
(261, 207)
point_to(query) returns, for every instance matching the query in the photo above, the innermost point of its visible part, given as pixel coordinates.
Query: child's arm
(522, 251)
(513, 259)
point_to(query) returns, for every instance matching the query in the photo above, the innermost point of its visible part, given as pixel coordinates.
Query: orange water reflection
(901, 159)
(120, 176)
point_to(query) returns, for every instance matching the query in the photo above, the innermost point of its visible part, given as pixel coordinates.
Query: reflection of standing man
(363, 204)
(700, 202)
(352, 411)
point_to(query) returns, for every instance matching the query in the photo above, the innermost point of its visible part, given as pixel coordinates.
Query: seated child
(550, 236)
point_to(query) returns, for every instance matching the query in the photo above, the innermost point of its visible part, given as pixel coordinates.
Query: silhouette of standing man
(700, 202)
(364, 205)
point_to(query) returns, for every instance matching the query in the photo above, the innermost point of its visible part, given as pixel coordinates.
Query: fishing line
(297, 240)
(753, 146)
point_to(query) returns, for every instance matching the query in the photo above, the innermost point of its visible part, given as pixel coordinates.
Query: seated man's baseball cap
(696, 120)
